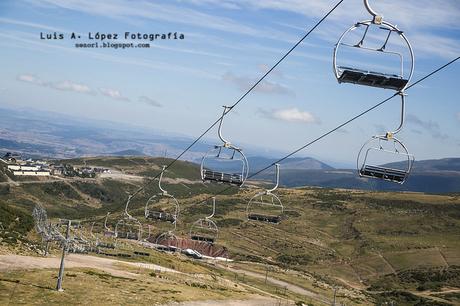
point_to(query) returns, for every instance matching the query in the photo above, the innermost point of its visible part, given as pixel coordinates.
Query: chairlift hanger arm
(377, 18)
(159, 181)
(389, 135)
(226, 110)
(126, 213)
(213, 208)
(277, 176)
(105, 221)
(91, 230)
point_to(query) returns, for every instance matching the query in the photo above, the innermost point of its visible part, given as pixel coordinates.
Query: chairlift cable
(346, 122)
(242, 97)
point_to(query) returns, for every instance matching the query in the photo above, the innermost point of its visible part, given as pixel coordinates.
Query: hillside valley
(374, 246)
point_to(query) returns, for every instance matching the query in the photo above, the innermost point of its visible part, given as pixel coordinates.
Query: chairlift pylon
(398, 161)
(266, 206)
(205, 229)
(225, 163)
(128, 227)
(397, 80)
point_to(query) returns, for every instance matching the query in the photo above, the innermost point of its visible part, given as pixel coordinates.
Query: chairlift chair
(79, 243)
(100, 242)
(392, 172)
(128, 227)
(398, 80)
(205, 229)
(156, 209)
(266, 206)
(398, 163)
(157, 205)
(220, 164)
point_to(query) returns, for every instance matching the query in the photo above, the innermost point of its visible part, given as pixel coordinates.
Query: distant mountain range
(434, 165)
(432, 176)
(257, 163)
(47, 134)
(43, 134)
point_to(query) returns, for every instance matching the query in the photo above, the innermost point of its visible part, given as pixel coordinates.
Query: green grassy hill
(387, 245)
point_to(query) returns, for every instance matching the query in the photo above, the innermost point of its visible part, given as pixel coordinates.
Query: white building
(24, 168)
(31, 173)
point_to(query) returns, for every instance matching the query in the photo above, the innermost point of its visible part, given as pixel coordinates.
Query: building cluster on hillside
(21, 167)
(70, 171)
(29, 167)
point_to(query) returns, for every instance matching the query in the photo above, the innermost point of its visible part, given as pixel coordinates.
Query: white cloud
(426, 124)
(31, 25)
(220, 3)
(275, 72)
(62, 85)
(72, 86)
(438, 17)
(290, 115)
(150, 101)
(32, 43)
(113, 93)
(123, 9)
(429, 126)
(439, 13)
(268, 87)
(29, 78)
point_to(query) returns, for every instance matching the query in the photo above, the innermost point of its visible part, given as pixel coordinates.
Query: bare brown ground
(111, 266)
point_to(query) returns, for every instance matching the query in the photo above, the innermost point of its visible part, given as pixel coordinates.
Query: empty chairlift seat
(106, 245)
(230, 178)
(162, 216)
(224, 163)
(356, 61)
(389, 174)
(371, 78)
(264, 218)
(128, 235)
(202, 238)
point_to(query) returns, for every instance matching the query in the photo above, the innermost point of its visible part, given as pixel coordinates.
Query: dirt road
(256, 301)
(288, 286)
(111, 266)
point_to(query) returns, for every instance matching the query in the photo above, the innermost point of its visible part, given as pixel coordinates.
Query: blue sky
(180, 85)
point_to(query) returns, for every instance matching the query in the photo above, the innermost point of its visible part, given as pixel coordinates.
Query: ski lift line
(354, 118)
(346, 122)
(243, 96)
